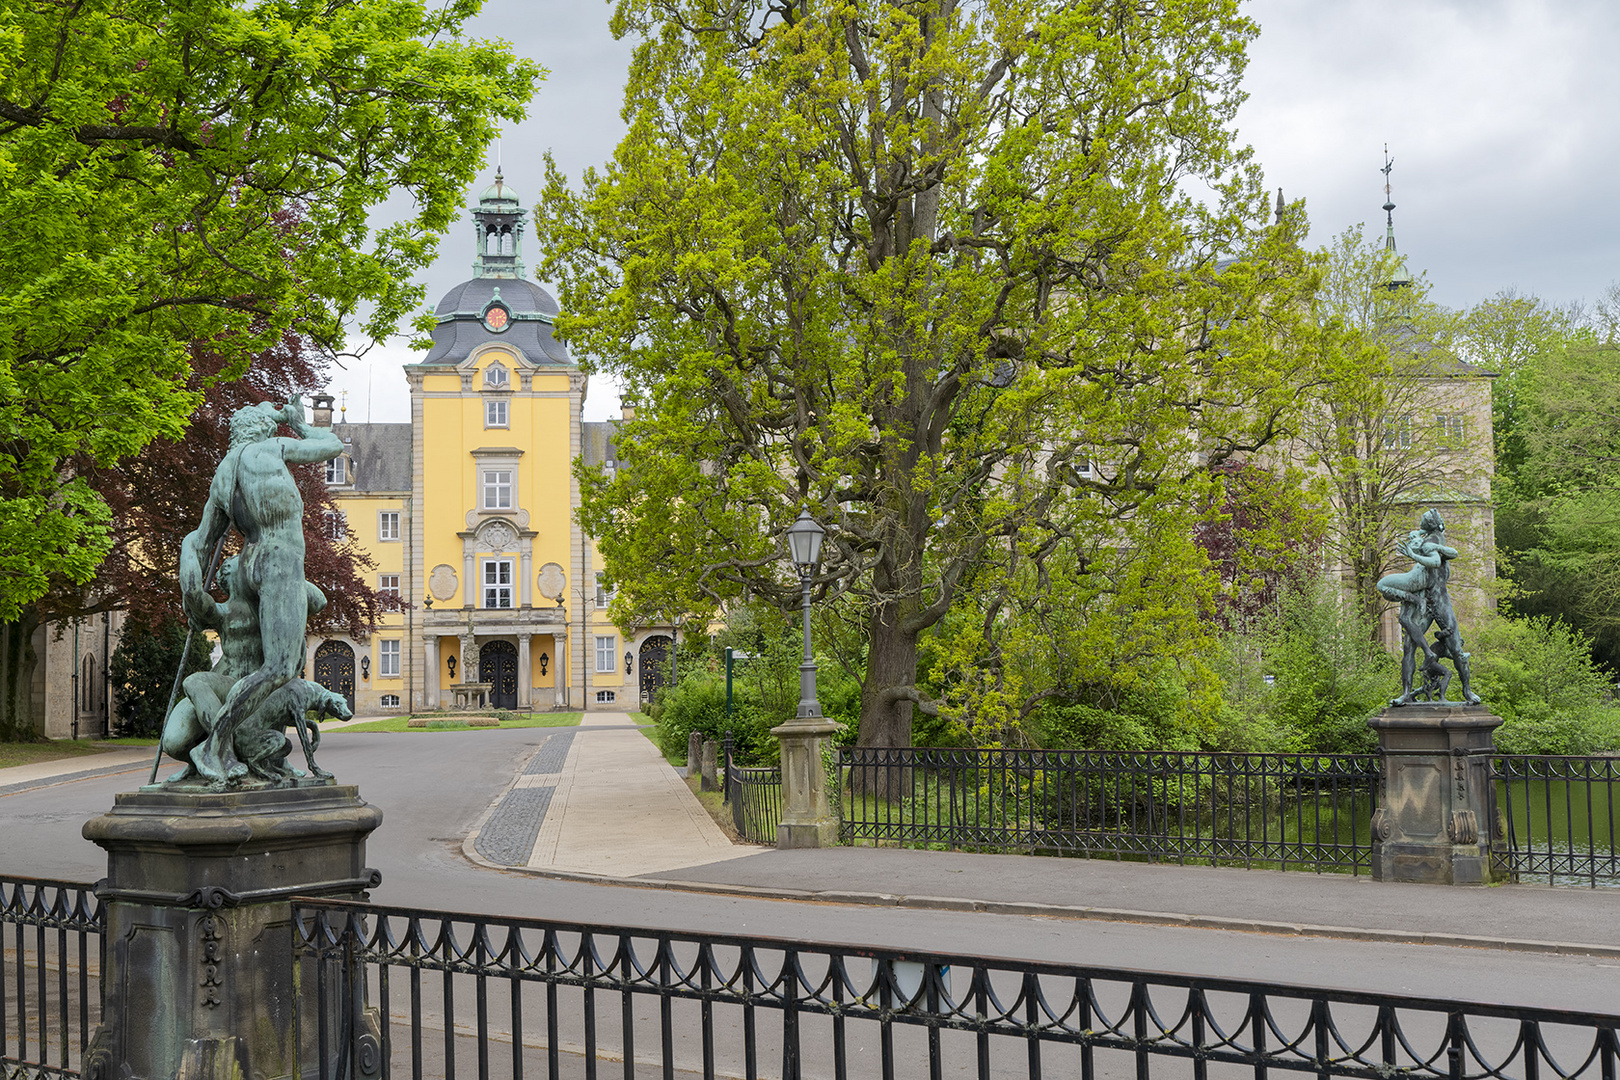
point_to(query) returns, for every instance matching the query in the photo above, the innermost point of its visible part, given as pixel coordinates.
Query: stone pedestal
(807, 819)
(199, 973)
(1437, 817)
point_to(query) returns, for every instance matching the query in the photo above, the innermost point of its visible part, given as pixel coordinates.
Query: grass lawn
(397, 723)
(29, 753)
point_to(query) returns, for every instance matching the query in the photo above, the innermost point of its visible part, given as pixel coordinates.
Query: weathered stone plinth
(807, 820)
(199, 976)
(1438, 813)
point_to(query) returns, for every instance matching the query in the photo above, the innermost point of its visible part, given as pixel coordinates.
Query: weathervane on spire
(1389, 203)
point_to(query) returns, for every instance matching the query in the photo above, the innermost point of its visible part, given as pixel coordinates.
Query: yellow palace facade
(469, 513)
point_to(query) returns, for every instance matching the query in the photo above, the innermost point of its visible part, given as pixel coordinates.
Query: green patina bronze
(230, 728)
(1425, 602)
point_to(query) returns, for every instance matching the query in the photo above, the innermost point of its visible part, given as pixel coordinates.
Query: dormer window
(497, 378)
(337, 471)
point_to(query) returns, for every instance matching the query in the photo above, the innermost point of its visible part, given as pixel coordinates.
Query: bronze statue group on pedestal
(1426, 602)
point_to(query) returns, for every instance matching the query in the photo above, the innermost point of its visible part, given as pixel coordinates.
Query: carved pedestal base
(1438, 812)
(198, 980)
(807, 820)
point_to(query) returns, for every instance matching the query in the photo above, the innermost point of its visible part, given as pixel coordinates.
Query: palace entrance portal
(334, 669)
(497, 665)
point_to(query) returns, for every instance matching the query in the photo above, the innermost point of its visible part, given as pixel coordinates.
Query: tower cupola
(498, 232)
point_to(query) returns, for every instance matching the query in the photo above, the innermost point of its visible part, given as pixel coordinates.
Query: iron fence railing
(1559, 814)
(755, 796)
(51, 952)
(1294, 811)
(438, 993)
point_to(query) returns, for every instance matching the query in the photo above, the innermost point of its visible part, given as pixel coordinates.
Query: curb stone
(1059, 911)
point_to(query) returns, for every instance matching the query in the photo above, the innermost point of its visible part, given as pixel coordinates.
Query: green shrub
(142, 672)
(1539, 676)
(1327, 674)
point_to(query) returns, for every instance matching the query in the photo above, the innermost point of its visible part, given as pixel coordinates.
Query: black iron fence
(1310, 811)
(51, 951)
(754, 794)
(437, 993)
(1559, 816)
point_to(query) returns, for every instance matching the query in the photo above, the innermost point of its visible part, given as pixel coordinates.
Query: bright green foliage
(1327, 676)
(915, 264)
(203, 170)
(1560, 518)
(1539, 676)
(142, 673)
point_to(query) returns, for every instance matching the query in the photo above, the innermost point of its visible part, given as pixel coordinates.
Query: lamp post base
(807, 820)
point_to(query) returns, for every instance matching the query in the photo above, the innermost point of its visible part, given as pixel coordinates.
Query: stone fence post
(807, 820)
(711, 765)
(1437, 818)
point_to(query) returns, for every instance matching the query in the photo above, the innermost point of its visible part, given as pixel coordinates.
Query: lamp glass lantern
(804, 543)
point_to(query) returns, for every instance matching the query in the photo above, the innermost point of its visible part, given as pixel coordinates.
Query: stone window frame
(495, 459)
(607, 697)
(501, 405)
(384, 588)
(485, 585)
(612, 653)
(337, 471)
(385, 654)
(383, 517)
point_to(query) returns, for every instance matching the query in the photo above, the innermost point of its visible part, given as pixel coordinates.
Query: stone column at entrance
(430, 667)
(199, 971)
(523, 695)
(1438, 816)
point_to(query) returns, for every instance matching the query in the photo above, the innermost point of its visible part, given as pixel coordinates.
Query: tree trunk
(17, 660)
(891, 663)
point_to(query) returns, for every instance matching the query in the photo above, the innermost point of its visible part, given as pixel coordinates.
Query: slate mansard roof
(381, 455)
(461, 328)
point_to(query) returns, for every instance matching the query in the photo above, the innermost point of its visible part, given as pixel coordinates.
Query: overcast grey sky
(1502, 117)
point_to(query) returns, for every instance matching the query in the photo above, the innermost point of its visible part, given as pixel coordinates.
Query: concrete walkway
(599, 800)
(120, 759)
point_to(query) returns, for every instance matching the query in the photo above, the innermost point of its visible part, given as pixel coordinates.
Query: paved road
(433, 789)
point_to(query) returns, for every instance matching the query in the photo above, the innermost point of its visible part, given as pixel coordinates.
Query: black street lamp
(804, 548)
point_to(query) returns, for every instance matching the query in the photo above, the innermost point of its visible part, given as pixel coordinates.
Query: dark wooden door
(654, 665)
(334, 669)
(497, 665)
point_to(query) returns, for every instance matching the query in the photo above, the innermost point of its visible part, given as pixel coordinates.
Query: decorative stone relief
(498, 537)
(211, 985)
(442, 582)
(552, 581)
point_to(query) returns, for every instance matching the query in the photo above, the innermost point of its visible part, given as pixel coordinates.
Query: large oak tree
(184, 171)
(951, 275)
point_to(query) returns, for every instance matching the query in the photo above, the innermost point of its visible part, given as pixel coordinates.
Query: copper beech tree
(978, 284)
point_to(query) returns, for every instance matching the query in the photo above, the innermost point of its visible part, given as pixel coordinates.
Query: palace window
(389, 701)
(336, 524)
(495, 413)
(607, 653)
(496, 378)
(388, 586)
(1398, 432)
(497, 583)
(497, 489)
(337, 471)
(388, 659)
(1448, 428)
(604, 592)
(605, 697)
(388, 525)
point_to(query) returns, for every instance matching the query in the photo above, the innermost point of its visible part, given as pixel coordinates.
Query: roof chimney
(322, 413)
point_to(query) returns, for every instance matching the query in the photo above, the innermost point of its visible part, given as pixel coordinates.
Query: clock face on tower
(496, 318)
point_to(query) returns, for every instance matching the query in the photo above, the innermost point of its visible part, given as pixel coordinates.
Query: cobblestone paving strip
(551, 755)
(508, 837)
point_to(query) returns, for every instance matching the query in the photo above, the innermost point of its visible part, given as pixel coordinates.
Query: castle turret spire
(1399, 276)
